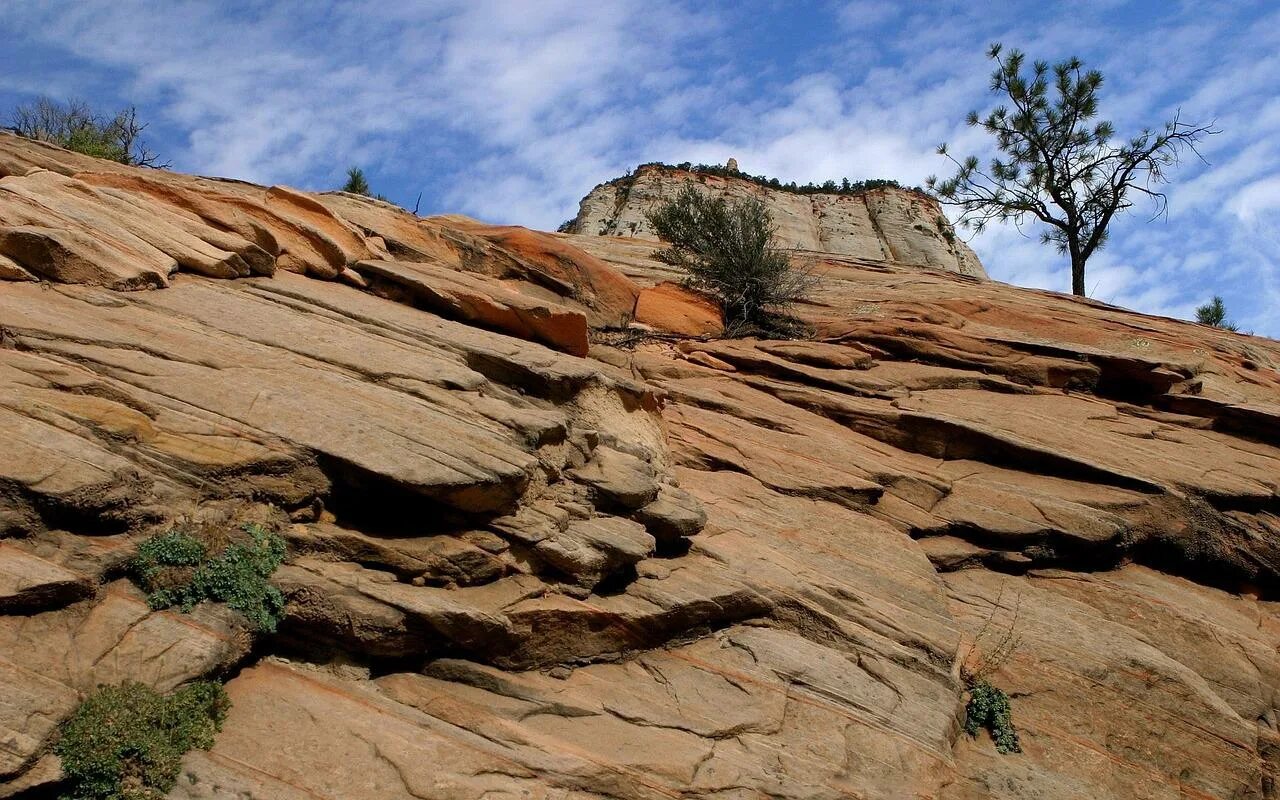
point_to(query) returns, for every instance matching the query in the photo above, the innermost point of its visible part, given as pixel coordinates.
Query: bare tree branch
(75, 126)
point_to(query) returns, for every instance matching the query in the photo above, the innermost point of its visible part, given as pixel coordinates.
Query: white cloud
(281, 95)
(861, 16)
(1262, 197)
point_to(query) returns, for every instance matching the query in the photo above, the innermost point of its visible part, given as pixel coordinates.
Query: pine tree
(1057, 166)
(356, 183)
(1214, 313)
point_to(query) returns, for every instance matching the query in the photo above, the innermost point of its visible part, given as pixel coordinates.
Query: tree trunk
(1077, 274)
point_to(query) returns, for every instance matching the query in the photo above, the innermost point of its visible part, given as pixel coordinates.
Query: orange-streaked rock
(672, 308)
(484, 302)
(611, 296)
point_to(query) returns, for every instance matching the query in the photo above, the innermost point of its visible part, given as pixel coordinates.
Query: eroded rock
(705, 568)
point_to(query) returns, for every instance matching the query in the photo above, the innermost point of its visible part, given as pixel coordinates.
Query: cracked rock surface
(528, 561)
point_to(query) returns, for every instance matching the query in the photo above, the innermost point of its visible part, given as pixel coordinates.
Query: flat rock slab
(30, 708)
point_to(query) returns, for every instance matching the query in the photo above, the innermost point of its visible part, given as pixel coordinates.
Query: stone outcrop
(901, 226)
(674, 566)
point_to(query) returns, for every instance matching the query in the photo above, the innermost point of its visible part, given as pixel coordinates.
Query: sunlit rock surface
(902, 226)
(534, 553)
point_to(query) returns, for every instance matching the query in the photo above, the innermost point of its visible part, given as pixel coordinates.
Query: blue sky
(511, 110)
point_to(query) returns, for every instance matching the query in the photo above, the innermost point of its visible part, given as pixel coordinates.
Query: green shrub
(172, 549)
(356, 183)
(177, 569)
(728, 250)
(126, 742)
(989, 708)
(76, 126)
(1214, 313)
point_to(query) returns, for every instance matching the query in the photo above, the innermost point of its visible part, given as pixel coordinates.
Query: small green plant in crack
(126, 742)
(177, 568)
(989, 708)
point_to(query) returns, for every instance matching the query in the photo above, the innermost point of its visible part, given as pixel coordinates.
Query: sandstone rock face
(896, 225)
(673, 567)
(673, 308)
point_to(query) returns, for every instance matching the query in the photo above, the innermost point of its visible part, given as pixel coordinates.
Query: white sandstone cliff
(886, 224)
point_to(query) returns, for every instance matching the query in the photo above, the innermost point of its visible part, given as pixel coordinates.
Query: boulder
(673, 515)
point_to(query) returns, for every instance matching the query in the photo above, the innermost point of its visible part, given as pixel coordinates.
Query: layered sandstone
(671, 567)
(886, 224)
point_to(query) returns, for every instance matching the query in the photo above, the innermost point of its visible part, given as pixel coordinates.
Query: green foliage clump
(178, 569)
(1214, 313)
(126, 742)
(171, 549)
(356, 182)
(989, 708)
(728, 250)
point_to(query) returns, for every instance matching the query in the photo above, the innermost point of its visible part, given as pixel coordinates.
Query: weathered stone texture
(670, 567)
(897, 225)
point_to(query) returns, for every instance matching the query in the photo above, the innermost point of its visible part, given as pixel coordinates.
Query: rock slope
(886, 224)
(534, 553)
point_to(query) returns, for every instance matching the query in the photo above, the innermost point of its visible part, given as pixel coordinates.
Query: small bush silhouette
(177, 569)
(126, 742)
(728, 250)
(358, 184)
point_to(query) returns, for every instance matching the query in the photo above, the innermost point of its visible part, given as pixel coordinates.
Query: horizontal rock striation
(884, 224)
(531, 554)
